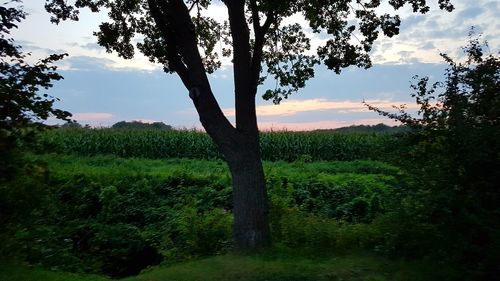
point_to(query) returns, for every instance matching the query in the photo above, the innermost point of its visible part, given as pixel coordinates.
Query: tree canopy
(257, 29)
(141, 125)
(21, 103)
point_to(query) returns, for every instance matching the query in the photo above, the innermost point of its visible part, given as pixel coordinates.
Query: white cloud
(425, 36)
(144, 120)
(93, 116)
(325, 124)
(293, 107)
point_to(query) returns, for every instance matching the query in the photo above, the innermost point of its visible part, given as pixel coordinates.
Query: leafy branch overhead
(349, 27)
(21, 104)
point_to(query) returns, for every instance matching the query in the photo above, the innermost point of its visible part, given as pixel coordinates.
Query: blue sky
(100, 89)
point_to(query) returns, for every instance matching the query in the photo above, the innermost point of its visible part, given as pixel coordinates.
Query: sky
(101, 89)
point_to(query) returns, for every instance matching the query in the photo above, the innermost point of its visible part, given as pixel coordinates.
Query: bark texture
(251, 228)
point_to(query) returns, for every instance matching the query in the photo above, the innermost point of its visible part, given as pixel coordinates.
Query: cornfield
(156, 144)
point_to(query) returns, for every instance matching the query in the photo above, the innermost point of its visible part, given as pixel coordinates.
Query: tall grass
(157, 144)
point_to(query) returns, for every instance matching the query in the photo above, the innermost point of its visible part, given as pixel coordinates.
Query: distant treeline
(363, 129)
(379, 128)
(125, 125)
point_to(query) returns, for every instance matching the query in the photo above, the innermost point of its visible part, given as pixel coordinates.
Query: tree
(71, 125)
(22, 107)
(183, 39)
(453, 152)
(458, 126)
(141, 125)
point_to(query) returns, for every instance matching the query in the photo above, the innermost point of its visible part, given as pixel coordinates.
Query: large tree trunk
(240, 144)
(241, 150)
(251, 228)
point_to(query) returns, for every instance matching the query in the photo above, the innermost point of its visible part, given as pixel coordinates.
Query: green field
(159, 144)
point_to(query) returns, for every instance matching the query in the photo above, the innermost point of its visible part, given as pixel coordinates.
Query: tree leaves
(21, 104)
(350, 28)
(286, 61)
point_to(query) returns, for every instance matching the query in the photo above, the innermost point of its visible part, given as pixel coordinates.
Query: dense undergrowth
(118, 216)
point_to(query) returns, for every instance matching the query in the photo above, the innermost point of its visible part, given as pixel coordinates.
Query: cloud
(325, 124)
(31, 46)
(93, 116)
(92, 46)
(144, 120)
(293, 107)
(470, 13)
(493, 6)
(439, 31)
(100, 63)
(429, 46)
(85, 63)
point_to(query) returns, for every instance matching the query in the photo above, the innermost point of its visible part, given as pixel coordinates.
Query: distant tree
(71, 125)
(379, 128)
(179, 35)
(22, 107)
(141, 125)
(454, 154)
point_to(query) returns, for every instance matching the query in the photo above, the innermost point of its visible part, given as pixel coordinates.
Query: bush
(451, 211)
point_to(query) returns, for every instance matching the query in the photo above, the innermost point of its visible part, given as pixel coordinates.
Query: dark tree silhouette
(141, 125)
(453, 151)
(22, 107)
(179, 35)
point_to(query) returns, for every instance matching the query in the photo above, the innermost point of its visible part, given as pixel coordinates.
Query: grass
(270, 266)
(10, 271)
(108, 165)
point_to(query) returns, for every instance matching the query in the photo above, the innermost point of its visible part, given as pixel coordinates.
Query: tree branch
(181, 30)
(240, 35)
(260, 40)
(173, 55)
(246, 119)
(255, 15)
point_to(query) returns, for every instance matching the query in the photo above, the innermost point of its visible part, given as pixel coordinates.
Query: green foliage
(141, 125)
(118, 225)
(364, 129)
(21, 104)
(144, 143)
(156, 144)
(289, 146)
(72, 125)
(452, 211)
(118, 216)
